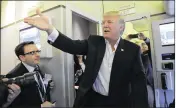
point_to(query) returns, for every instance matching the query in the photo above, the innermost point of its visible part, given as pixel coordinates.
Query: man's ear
(22, 58)
(122, 28)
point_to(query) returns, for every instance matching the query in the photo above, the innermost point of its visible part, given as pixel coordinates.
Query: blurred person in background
(148, 69)
(141, 36)
(131, 36)
(79, 68)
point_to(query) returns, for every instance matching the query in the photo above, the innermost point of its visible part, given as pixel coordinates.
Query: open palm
(41, 22)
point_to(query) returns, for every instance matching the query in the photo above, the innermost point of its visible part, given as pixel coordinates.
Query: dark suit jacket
(29, 96)
(127, 81)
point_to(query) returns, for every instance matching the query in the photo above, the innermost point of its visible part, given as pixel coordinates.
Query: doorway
(82, 29)
(79, 26)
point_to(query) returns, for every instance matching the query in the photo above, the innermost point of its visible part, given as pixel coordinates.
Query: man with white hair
(114, 74)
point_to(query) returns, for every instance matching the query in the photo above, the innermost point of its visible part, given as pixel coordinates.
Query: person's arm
(14, 91)
(138, 83)
(62, 42)
(56, 38)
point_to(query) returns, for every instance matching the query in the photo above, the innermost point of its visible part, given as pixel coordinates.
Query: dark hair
(76, 64)
(19, 50)
(141, 34)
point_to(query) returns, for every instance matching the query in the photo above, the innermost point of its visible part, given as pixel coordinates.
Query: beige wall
(93, 8)
(7, 12)
(152, 7)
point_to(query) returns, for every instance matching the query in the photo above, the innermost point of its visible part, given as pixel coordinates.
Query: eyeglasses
(33, 52)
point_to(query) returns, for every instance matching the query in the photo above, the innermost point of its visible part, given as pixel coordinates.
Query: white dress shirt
(31, 69)
(101, 84)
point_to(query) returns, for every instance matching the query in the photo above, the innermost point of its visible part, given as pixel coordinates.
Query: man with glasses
(32, 95)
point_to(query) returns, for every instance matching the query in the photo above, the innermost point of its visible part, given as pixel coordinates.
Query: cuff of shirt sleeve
(53, 36)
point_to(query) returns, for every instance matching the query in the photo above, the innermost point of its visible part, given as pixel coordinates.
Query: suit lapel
(101, 52)
(119, 54)
(119, 51)
(24, 69)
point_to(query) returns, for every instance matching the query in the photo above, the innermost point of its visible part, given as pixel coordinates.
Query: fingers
(29, 20)
(39, 12)
(10, 91)
(14, 91)
(10, 96)
(14, 87)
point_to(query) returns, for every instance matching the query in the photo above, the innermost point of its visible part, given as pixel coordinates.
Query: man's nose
(105, 24)
(37, 54)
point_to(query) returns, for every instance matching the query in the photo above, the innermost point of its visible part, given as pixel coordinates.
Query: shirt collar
(116, 44)
(28, 67)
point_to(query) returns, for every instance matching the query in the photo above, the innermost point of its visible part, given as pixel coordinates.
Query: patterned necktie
(40, 84)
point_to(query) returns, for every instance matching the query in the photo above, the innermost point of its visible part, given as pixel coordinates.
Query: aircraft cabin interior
(149, 24)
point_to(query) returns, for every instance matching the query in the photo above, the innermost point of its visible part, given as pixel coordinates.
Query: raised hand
(41, 22)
